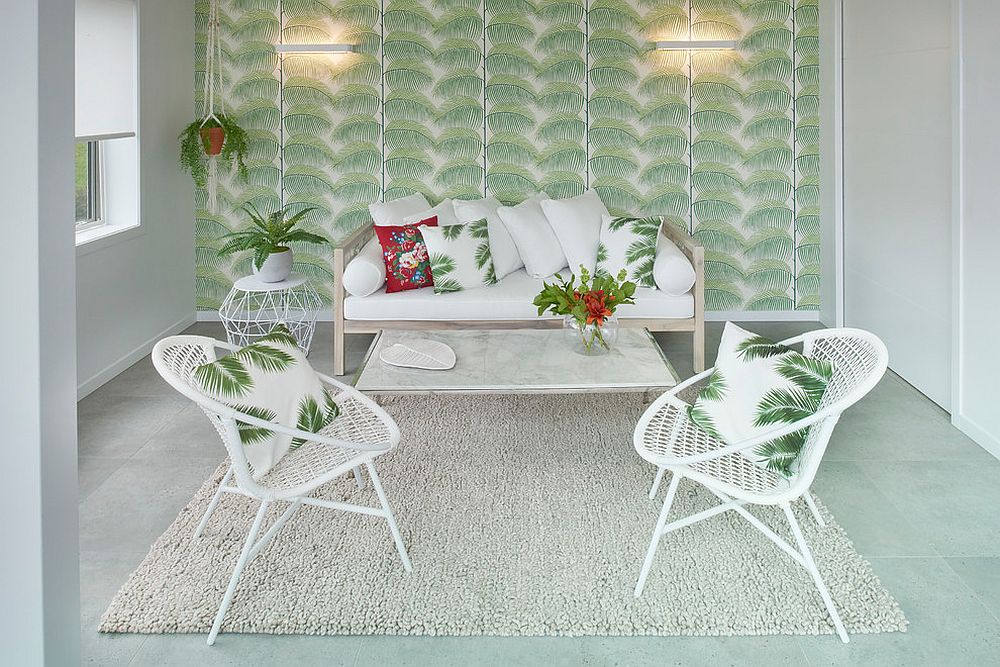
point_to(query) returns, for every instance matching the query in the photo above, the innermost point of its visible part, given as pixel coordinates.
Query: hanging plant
(215, 137)
(218, 137)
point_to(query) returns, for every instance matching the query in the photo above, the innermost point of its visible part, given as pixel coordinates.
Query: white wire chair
(666, 437)
(362, 432)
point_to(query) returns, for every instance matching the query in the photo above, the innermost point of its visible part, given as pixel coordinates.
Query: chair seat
(319, 462)
(671, 435)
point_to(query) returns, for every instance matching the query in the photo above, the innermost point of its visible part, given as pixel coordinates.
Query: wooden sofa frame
(352, 244)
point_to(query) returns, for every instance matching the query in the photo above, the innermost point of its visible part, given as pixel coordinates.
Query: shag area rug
(524, 515)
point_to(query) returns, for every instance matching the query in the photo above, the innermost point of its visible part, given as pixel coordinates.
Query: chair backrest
(175, 359)
(859, 359)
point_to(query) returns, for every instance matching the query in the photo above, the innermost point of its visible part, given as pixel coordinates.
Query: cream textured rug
(524, 515)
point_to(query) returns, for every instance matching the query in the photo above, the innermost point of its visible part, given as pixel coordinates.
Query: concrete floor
(918, 498)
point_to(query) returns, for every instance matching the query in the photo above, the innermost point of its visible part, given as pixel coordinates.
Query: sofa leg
(338, 351)
(699, 349)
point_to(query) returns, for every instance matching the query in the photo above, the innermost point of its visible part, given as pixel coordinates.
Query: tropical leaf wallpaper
(457, 98)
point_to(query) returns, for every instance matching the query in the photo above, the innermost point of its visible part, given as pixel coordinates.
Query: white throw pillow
(759, 386)
(536, 243)
(672, 270)
(460, 256)
(392, 212)
(270, 379)
(506, 259)
(445, 213)
(577, 224)
(630, 244)
(365, 274)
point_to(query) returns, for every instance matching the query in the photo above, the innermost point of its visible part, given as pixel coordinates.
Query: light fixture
(314, 48)
(695, 44)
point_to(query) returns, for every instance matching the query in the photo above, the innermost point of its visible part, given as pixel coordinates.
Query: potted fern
(269, 238)
(217, 137)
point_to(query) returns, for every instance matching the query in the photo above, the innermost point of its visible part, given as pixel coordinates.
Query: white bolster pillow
(365, 274)
(672, 271)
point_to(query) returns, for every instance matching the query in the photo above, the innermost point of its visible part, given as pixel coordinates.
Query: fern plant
(269, 234)
(195, 147)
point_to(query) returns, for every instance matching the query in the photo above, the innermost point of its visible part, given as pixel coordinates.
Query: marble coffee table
(521, 361)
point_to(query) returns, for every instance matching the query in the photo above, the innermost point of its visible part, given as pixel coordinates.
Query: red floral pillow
(407, 265)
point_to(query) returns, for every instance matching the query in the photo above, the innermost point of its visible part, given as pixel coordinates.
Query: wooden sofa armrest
(350, 245)
(681, 239)
(696, 253)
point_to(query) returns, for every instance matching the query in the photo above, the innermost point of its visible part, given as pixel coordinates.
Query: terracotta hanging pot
(212, 138)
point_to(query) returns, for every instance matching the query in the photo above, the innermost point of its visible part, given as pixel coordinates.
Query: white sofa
(505, 305)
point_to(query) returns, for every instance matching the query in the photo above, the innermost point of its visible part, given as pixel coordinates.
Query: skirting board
(711, 316)
(979, 435)
(92, 384)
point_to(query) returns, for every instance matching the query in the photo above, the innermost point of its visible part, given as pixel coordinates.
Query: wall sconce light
(314, 48)
(695, 45)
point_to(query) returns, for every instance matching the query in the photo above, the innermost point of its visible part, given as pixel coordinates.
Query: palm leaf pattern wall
(461, 98)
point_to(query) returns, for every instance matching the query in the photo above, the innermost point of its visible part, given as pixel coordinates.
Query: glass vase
(590, 339)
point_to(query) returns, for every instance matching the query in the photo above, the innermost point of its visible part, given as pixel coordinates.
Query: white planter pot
(275, 268)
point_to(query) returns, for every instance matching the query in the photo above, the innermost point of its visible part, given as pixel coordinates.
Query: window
(88, 184)
(107, 149)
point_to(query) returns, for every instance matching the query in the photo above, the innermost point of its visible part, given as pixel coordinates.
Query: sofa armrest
(350, 245)
(696, 253)
(683, 241)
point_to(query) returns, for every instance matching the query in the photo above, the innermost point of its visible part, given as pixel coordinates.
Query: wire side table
(252, 308)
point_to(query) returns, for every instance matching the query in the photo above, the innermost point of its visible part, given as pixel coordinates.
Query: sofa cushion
(630, 244)
(506, 259)
(393, 212)
(460, 256)
(407, 264)
(444, 212)
(366, 272)
(577, 224)
(509, 299)
(672, 270)
(536, 242)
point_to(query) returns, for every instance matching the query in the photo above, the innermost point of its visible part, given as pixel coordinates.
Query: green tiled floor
(919, 499)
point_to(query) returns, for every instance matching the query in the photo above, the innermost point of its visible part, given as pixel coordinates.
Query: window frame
(95, 184)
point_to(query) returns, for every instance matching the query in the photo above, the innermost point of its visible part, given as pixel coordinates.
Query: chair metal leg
(273, 530)
(811, 502)
(656, 483)
(393, 528)
(657, 534)
(814, 571)
(358, 478)
(240, 564)
(213, 504)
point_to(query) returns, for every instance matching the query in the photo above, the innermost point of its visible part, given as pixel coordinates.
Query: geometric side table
(252, 308)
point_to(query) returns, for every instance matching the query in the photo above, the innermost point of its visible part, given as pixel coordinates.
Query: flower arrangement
(588, 307)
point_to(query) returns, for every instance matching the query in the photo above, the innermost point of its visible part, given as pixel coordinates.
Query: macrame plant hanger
(213, 84)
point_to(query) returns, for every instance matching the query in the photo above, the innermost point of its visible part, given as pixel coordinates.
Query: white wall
(977, 239)
(134, 288)
(39, 561)
(897, 183)
(831, 123)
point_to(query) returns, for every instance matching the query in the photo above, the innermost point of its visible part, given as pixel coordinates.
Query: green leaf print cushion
(630, 244)
(760, 386)
(270, 379)
(460, 256)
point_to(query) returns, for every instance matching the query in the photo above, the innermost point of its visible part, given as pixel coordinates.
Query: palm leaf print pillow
(760, 386)
(630, 244)
(271, 380)
(460, 256)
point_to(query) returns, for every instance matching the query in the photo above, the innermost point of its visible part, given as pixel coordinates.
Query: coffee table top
(521, 361)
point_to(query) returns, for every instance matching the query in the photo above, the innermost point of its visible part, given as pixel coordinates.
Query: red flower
(408, 245)
(593, 301)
